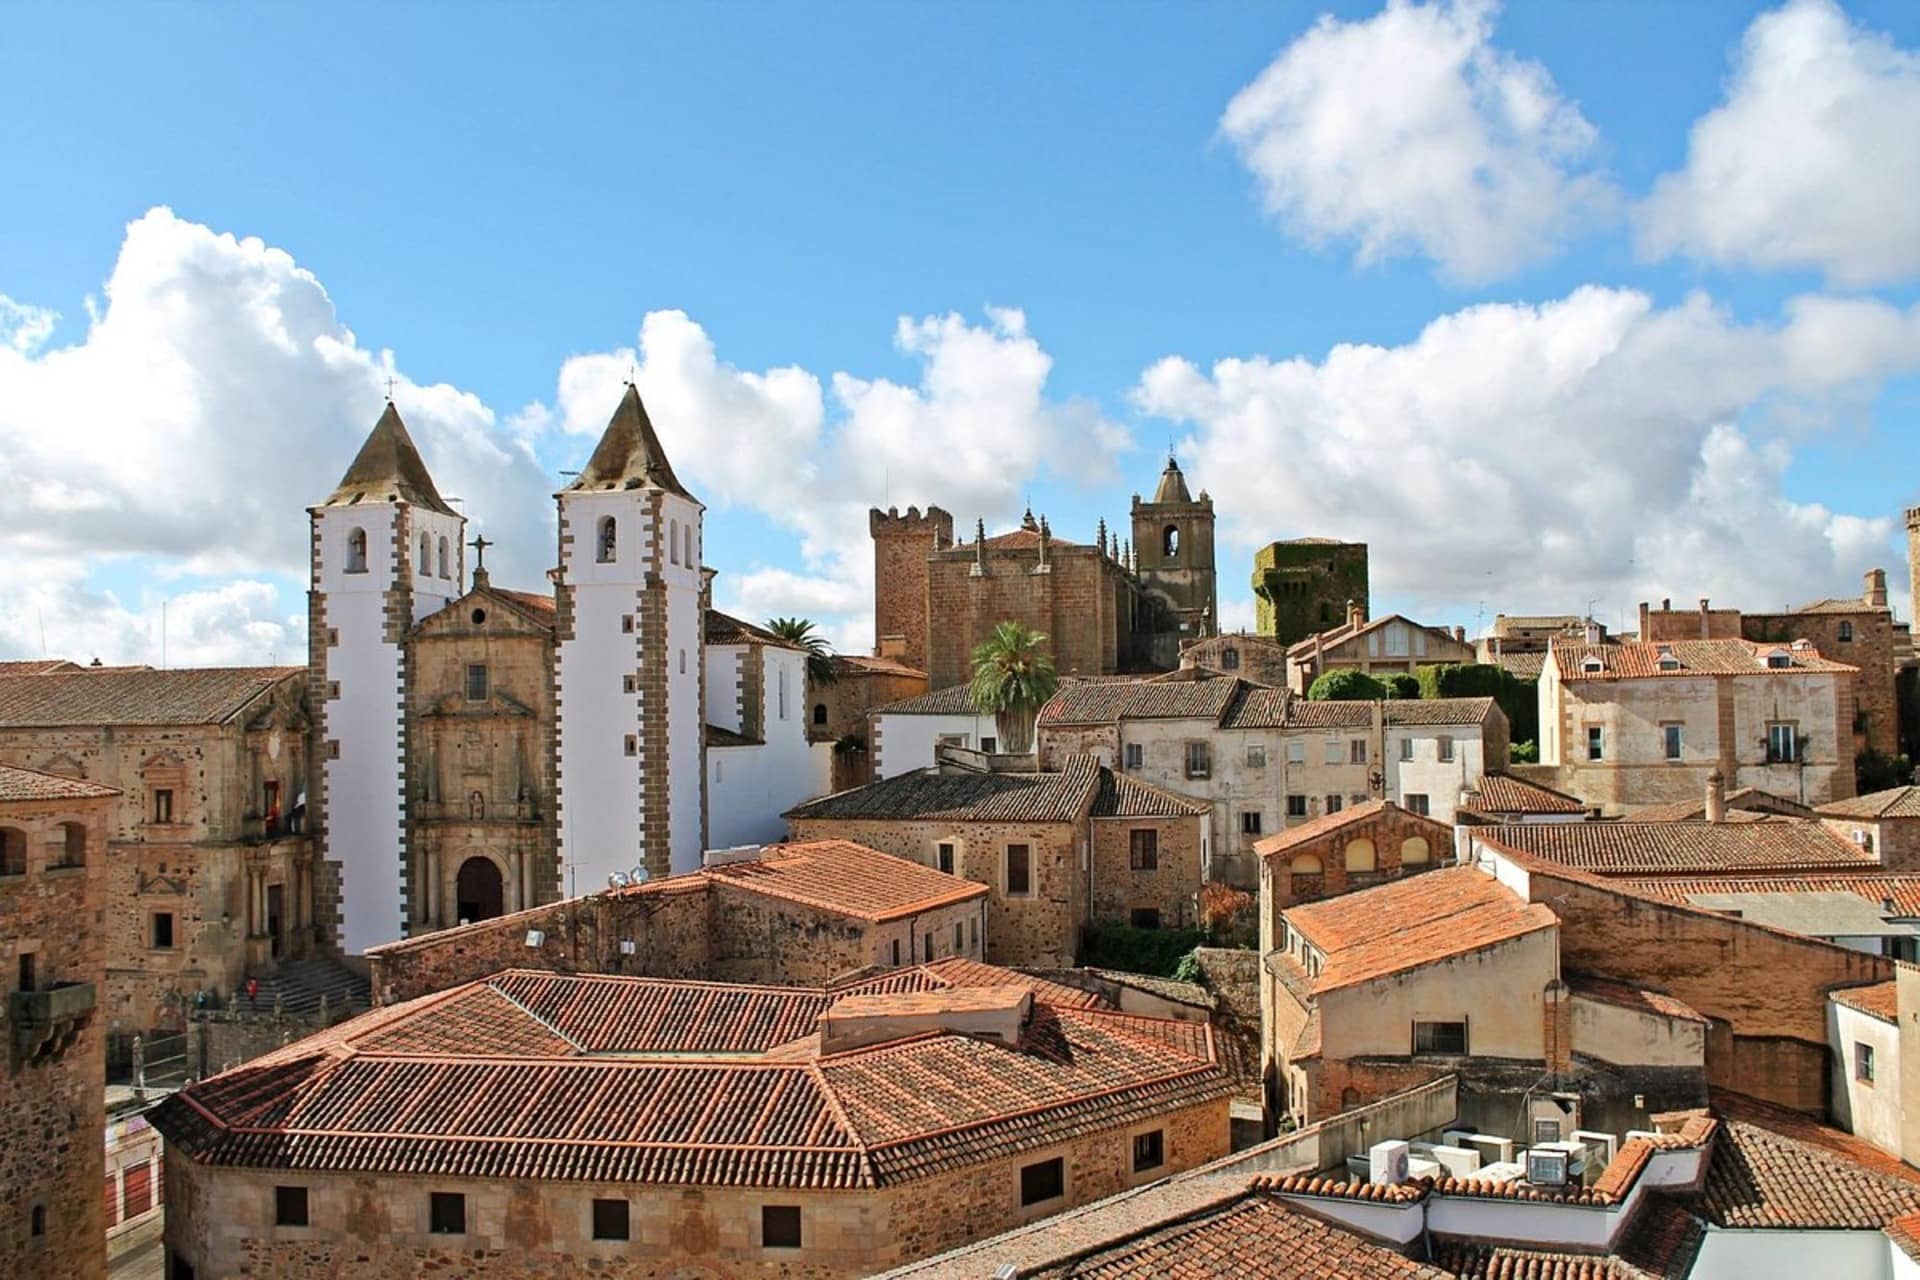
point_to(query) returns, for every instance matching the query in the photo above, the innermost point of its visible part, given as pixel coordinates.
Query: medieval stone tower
(902, 545)
(629, 669)
(1173, 556)
(386, 551)
(1913, 557)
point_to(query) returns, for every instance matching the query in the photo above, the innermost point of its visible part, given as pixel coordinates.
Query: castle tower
(630, 663)
(1913, 558)
(386, 551)
(901, 545)
(1173, 539)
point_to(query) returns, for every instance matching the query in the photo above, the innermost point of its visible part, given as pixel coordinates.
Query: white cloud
(239, 623)
(1412, 133)
(1595, 447)
(1811, 160)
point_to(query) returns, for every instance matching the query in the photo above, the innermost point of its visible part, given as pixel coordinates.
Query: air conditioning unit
(1552, 1117)
(1457, 1162)
(1423, 1167)
(627, 947)
(1601, 1147)
(1547, 1167)
(535, 938)
(1492, 1149)
(1387, 1162)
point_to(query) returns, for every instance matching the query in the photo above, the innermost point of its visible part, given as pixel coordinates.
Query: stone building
(908, 735)
(1353, 849)
(211, 877)
(1253, 657)
(617, 1125)
(805, 912)
(838, 712)
(1391, 645)
(1102, 609)
(1304, 585)
(1266, 760)
(1056, 849)
(54, 868)
(1647, 722)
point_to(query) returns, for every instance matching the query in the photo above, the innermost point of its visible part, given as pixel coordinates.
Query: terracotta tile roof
(724, 628)
(1332, 1187)
(847, 878)
(1255, 1237)
(1640, 659)
(718, 736)
(1258, 707)
(541, 606)
(1904, 1231)
(1876, 999)
(1835, 604)
(36, 666)
(967, 797)
(858, 664)
(1408, 923)
(1899, 802)
(1522, 666)
(1902, 889)
(1105, 702)
(1124, 796)
(1439, 711)
(1439, 834)
(1625, 848)
(31, 784)
(1744, 804)
(627, 1080)
(1759, 1178)
(136, 695)
(1631, 997)
(954, 700)
(1504, 793)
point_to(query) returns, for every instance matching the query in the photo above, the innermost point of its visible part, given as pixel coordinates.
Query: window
(1335, 752)
(629, 684)
(1360, 857)
(686, 546)
(1846, 637)
(1143, 849)
(1670, 741)
(1334, 804)
(447, 1213)
(896, 952)
(1229, 659)
(1042, 1182)
(626, 624)
(1779, 661)
(1545, 1131)
(989, 744)
(1144, 917)
(26, 971)
(959, 938)
(289, 1206)
(1593, 742)
(476, 682)
(606, 540)
(1406, 748)
(1250, 822)
(1170, 542)
(182, 1269)
(1781, 745)
(1445, 748)
(1149, 1150)
(1135, 756)
(426, 556)
(819, 715)
(782, 683)
(444, 568)
(1296, 753)
(1414, 851)
(1296, 806)
(1256, 755)
(1446, 1038)
(163, 804)
(926, 947)
(162, 930)
(780, 1226)
(943, 856)
(1199, 760)
(13, 852)
(673, 541)
(357, 551)
(1357, 751)
(1019, 869)
(611, 1220)
(1417, 803)
(633, 745)
(1863, 1062)
(973, 934)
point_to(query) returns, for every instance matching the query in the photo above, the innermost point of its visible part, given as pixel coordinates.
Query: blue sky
(491, 192)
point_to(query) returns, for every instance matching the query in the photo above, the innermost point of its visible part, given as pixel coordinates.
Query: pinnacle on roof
(1028, 523)
(629, 455)
(1173, 485)
(388, 469)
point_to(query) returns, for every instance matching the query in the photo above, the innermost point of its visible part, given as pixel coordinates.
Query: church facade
(482, 750)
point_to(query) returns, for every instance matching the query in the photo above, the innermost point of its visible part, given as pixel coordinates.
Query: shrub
(1877, 771)
(1346, 686)
(1399, 684)
(1523, 752)
(1518, 698)
(1151, 951)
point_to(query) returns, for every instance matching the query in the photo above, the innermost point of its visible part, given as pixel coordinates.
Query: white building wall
(748, 788)
(686, 719)
(1791, 1255)
(904, 743)
(1441, 781)
(1870, 1111)
(723, 677)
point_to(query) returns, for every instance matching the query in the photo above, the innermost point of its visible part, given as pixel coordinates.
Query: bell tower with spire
(630, 662)
(1173, 543)
(385, 551)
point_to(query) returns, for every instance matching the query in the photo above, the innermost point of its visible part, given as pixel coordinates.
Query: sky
(1557, 306)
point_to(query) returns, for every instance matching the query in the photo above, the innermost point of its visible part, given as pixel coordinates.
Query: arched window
(356, 551)
(605, 540)
(820, 714)
(443, 559)
(1307, 881)
(687, 547)
(426, 555)
(673, 541)
(1846, 632)
(478, 890)
(1414, 852)
(1170, 542)
(1305, 864)
(73, 845)
(1229, 659)
(1360, 856)
(13, 851)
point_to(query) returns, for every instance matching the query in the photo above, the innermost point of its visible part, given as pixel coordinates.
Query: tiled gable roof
(1504, 793)
(136, 695)
(967, 797)
(1439, 711)
(1104, 702)
(724, 628)
(1761, 1178)
(954, 700)
(1408, 923)
(1631, 997)
(1642, 659)
(848, 878)
(593, 1078)
(1325, 824)
(1123, 796)
(1879, 1000)
(1744, 804)
(36, 666)
(1625, 848)
(31, 784)
(1900, 888)
(1897, 802)
(1346, 631)
(857, 664)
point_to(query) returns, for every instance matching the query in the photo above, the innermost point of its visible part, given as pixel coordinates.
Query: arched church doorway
(478, 890)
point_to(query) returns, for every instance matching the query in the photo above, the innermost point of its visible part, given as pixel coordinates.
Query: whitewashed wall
(905, 743)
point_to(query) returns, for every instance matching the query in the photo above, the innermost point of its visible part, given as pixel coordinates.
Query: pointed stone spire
(629, 455)
(1027, 522)
(980, 543)
(1126, 556)
(388, 469)
(1173, 485)
(1100, 536)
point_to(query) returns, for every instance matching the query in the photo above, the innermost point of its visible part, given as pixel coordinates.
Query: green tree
(1399, 684)
(1876, 771)
(1346, 685)
(819, 653)
(1012, 679)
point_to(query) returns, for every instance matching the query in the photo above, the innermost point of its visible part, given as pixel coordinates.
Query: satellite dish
(637, 876)
(618, 880)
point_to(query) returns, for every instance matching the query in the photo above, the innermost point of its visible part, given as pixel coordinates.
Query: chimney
(1644, 634)
(1706, 625)
(1459, 635)
(1876, 593)
(1716, 797)
(1590, 632)
(1666, 606)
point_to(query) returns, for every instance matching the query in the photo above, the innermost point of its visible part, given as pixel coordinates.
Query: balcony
(46, 1022)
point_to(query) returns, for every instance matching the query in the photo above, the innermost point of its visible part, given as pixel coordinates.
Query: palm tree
(1012, 679)
(819, 653)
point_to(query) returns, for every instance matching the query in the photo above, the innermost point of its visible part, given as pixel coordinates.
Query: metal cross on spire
(480, 545)
(389, 388)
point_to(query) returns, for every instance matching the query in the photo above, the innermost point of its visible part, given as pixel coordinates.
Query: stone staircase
(299, 986)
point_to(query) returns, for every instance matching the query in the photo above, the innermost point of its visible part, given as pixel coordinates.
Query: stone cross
(480, 545)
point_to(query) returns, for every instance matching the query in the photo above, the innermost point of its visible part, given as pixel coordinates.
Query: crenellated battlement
(892, 524)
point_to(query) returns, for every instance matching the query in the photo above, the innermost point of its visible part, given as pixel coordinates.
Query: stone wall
(754, 938)
(220, 1220)
(53, 1105)
(1246, 654)
(901, 547)
(1072, 603)
(1169, 889)
(1871, 648)
(1303, 586)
